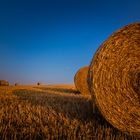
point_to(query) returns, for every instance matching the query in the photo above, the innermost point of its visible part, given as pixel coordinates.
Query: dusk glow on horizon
(49, 40)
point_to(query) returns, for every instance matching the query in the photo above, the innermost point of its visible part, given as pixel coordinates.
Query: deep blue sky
(48, 41)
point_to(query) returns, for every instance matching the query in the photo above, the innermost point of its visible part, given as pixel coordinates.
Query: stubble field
(52, 112)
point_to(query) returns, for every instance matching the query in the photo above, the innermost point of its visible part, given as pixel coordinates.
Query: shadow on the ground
(63, 90)
(71, 105)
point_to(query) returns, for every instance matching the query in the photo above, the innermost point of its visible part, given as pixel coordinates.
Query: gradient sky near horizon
(49, 40)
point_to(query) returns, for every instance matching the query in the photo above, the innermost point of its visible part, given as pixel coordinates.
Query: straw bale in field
(114, 79)
(80, 80)
(4, 83)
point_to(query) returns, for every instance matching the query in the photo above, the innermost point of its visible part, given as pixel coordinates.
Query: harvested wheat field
(51, 112)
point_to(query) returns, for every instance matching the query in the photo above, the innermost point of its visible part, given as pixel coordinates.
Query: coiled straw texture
(80, 80)
(114, 79)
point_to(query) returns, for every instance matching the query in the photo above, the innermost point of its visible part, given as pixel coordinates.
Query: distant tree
(16, 84)
(38, 83)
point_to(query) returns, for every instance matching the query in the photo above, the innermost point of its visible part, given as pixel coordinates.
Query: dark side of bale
(114, 79)
(4, 83)
(80, 80)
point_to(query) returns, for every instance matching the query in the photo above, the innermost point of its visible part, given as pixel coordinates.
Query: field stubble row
(48, 113)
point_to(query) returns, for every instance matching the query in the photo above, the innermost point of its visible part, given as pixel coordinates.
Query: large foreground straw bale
(114, 79)
(4, 83)
(80, 80)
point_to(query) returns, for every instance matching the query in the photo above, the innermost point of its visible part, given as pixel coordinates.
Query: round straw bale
(80, 80)
(114, 79)
(4, 83)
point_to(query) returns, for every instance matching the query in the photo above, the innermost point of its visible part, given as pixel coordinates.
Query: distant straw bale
(4, 83)
(114, 79)
(80, 80)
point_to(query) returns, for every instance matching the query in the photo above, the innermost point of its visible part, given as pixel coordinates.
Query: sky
(47, 41)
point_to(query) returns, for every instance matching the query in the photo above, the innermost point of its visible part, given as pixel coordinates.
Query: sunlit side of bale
(80, 80)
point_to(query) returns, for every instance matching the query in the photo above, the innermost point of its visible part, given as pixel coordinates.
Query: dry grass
(28, 112)
(115, 79)
(80, 80)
